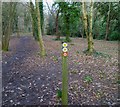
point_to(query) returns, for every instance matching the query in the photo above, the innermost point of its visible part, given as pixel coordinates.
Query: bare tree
(43, 53)
(34, 21)
(8, 26)
(56, 17)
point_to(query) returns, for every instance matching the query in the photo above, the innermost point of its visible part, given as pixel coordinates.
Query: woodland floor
(29, 79)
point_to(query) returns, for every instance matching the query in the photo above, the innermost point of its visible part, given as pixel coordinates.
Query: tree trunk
(82, 28)
(43, 53)
(88, 29)
(6, 37)
(18, 32)
(85, 21)
(33, 28)
(41, 16)
(31, 11)
(34, 21)
(67, 18)
(16, 26)
(91, 44)
(108, 23)
(0, 23)
(85, 18)
(8, 29)
(56, 26)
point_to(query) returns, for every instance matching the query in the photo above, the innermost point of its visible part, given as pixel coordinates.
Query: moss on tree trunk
(42, 48)
(88, 29)
(8, 28)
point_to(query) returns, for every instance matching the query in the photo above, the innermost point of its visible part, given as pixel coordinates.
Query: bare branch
(50, 10)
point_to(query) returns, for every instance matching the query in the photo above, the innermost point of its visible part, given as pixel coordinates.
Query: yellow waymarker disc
(65, 45)
(64, 49)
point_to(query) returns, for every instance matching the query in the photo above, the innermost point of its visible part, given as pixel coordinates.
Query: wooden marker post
(64, 74)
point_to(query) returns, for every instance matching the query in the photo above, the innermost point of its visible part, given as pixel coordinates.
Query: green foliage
(59, 94)
(88, 79)
(67, 39)
(61, 39)
(69, 19)
(101, 20)
(97, 54)
(5, 48)
(115, 35)
(118, 82)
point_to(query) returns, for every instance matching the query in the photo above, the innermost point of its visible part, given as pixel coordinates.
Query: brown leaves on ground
(29, 79)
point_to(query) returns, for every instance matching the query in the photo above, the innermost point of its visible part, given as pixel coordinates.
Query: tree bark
(85, 21)
(108, 23)
(8, 28)
(0, 23)
(41, 16)
(56, 26)
(34, 21)
(91, 44)
(16, 26)
(88, 29)
(85, 18)
(43, 53)
(31, 11)
(82, 28)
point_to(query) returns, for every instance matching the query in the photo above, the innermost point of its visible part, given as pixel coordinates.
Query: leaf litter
(34, 80)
